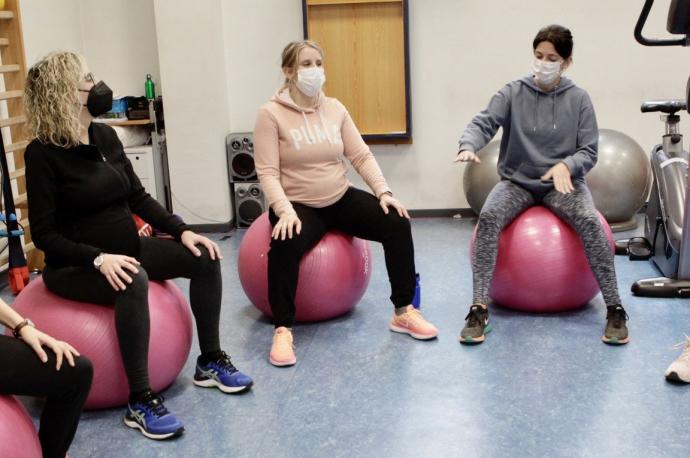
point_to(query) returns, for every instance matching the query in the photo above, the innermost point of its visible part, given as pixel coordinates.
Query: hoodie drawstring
(536, 110)
(325, 129)
(283, 97)
(312, 137)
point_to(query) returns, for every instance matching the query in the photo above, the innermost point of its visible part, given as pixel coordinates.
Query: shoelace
(685, 356)
(154, 403)
(224, 362)
(618, 315)
(283, 340)
(414, 316)
(474, 317)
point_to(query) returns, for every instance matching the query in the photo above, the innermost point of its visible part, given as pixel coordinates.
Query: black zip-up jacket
(81, 200)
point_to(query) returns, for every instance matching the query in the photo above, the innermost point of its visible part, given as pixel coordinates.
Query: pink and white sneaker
(282, 350)
(413, 323)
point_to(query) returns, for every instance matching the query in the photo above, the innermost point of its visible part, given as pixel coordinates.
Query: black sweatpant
(22, 373)
(160, 259)
(357, 213)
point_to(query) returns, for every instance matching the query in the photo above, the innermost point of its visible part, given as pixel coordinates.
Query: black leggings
(357, 213)
(160, 259)
(22, 373)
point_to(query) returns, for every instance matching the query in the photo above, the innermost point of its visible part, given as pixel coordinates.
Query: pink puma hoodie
(299, 153)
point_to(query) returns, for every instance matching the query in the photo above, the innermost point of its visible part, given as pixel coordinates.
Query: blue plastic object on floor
(417, 299)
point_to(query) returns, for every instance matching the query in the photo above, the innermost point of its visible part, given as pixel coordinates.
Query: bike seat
(664, 106)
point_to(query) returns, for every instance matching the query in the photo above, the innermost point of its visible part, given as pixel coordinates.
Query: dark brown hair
(559, 37)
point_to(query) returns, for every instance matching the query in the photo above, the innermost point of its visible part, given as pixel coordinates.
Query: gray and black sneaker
(476, 325)
(616, 332)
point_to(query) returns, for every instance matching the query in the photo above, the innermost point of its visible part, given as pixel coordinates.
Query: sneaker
(679, 370)
(150, 416)
(616, 332)
(222, 374)
(476, 325)
(413, 323)
(282, 350)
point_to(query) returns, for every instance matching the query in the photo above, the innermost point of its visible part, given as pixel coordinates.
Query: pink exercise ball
(541, 265)
(333, 276)
(18, 437)
(90, 328)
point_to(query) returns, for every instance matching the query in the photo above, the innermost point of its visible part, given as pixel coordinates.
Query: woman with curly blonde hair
(52, 99)
(82, 192)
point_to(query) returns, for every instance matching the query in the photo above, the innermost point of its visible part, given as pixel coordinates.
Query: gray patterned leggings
(507, 200)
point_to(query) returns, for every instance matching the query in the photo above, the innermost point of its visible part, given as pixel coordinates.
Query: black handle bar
(651, 41)
(664, 106)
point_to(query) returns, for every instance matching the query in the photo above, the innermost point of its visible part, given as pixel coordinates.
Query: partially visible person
(33, 363)
(679, 370)
(82, 192)
(302, 140)
(549, 144)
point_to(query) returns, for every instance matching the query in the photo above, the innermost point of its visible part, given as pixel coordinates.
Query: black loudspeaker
(240, 151)
(249, 203)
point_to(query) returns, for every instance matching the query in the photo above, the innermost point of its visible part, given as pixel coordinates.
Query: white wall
(461, 53)
(48, 26)
(222, 58)
(253, 55)
(120, 43)
(192, 64)
(118, 38)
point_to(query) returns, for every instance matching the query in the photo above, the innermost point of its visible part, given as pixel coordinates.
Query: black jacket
(81, 200)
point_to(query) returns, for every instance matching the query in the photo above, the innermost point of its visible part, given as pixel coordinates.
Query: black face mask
(100, 99)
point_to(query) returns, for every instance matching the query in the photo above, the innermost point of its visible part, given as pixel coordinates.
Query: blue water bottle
(417, 299)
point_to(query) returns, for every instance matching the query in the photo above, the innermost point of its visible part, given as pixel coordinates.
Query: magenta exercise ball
(90, 328)
(333, 276)
(18, 437)
(542, 266)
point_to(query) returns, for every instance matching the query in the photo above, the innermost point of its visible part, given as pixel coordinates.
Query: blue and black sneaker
(150, 416)
(221, 373)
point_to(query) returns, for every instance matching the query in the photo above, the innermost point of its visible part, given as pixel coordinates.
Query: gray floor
(542, 385)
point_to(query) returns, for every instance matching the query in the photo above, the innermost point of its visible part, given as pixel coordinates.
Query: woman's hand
(192, 239)
(37, 339)
(386, 200)
(285, 226)
(115, 267)
(560, 173)
(467, 156)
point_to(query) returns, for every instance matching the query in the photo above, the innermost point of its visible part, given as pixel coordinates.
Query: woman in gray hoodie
(549, 144)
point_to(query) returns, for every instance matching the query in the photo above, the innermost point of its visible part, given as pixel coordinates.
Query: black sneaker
(476, 325)
(616, 332)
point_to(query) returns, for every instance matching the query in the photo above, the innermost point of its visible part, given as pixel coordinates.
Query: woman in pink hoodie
(301, 141)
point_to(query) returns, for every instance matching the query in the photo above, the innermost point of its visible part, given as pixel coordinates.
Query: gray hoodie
(540, 129)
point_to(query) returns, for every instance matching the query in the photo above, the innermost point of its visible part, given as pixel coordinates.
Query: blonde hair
(51, 98)
(291, 53)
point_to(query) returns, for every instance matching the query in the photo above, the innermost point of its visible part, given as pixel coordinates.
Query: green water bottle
(149, 88)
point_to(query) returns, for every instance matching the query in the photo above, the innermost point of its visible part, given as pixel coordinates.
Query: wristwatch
(24, 322)
(98, 261)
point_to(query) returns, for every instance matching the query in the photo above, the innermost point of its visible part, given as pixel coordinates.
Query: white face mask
(310, 80)
(546, 72)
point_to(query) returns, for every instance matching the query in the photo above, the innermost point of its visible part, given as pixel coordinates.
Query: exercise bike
(665, 243)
